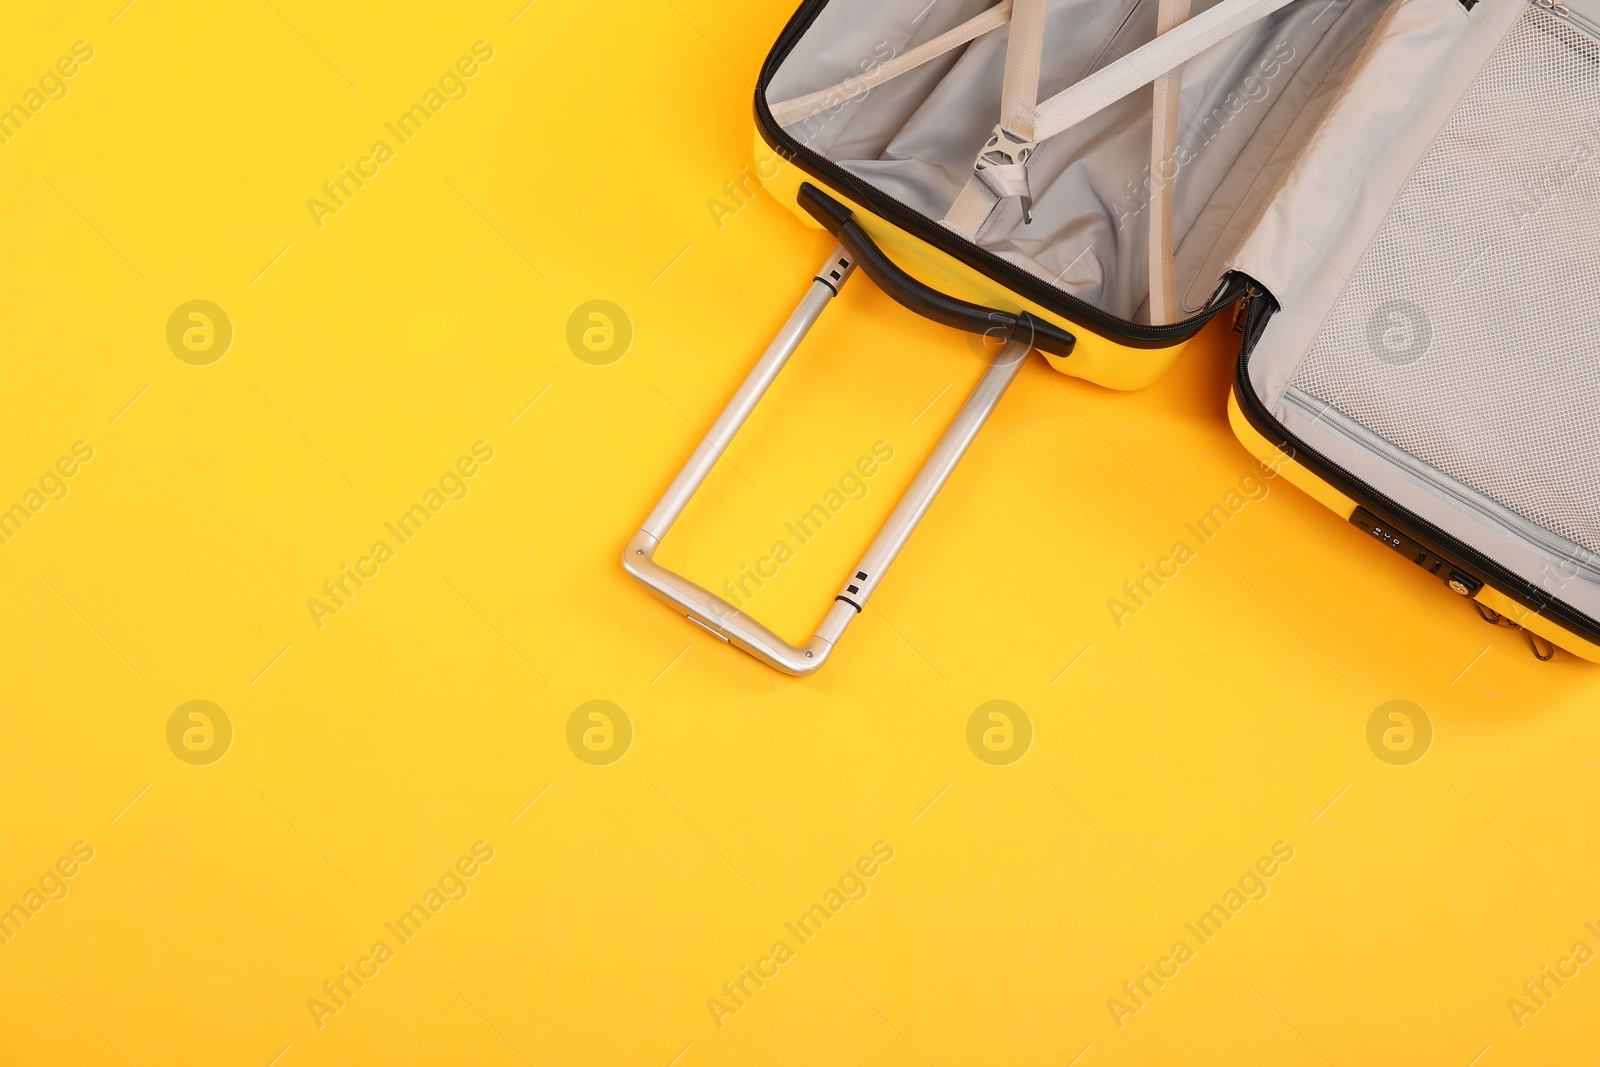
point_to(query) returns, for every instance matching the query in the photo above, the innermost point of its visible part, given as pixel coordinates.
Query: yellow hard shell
(1343, 506)
(1096, 358)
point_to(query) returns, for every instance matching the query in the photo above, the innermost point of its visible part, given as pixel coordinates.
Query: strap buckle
(1002, 166)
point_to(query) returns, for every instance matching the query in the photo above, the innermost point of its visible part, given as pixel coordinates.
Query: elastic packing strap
(1111, 83)
(1002, 165)
(1163, 172)
(789, 112)
(1000, 171)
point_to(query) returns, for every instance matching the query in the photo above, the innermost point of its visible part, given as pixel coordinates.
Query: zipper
(1260, 307)
(1124, 331)
(1508, 522)
(1582, 24)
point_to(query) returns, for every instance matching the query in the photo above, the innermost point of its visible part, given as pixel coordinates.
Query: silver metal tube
(919, 496)
(725, 620)
(836, 271)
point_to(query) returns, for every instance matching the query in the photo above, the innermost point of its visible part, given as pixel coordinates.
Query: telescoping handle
(733, 625)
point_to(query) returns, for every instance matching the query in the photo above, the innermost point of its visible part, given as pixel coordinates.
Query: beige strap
(972, 209)
(1163, 171)
(789, 112)
(1145, 64)
(1019, 94)
(1148, 62)
(1001, 169)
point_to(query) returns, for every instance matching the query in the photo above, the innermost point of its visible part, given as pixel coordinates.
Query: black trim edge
(1122, 331)
(1259, 308)
(925, 300)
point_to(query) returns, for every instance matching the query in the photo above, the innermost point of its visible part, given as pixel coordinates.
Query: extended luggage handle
(727, 621)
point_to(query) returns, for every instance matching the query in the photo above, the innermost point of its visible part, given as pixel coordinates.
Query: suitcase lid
(1426, 255)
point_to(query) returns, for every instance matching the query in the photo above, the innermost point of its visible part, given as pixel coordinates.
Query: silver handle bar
(731, 623)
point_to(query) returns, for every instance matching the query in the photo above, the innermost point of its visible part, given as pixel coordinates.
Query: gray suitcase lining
(1246, 104)
(1311, 172)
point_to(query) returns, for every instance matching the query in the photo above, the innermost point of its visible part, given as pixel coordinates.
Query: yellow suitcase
(1398, 201)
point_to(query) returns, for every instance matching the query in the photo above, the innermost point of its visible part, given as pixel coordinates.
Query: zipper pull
(1241, 311)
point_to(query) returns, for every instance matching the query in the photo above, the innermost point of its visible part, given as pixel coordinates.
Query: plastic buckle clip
(1002, 166)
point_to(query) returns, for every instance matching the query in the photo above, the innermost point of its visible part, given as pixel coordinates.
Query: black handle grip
(926, 301)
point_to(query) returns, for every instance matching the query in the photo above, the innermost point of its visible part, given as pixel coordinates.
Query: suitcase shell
(1432, 386)
(1502, 592)
(1111, 351)
(1322, 156)
(1120, 354)
(1103, 354)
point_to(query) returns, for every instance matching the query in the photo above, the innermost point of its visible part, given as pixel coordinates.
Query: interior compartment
(1435, 337)
(1247, 105)
(1406, 165)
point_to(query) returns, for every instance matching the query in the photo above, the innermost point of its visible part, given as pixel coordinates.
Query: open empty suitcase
(1398, 201)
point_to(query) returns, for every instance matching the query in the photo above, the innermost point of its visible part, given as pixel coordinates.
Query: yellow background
(369, 754)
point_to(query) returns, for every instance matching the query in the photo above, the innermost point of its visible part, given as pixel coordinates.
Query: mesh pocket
(1469, 333)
